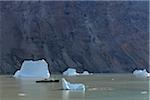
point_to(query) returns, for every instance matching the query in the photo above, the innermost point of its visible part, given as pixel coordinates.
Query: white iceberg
(73, 72)
(141, 73)
(70, 86)
(33, 69)
(70, 72)
(86, 73)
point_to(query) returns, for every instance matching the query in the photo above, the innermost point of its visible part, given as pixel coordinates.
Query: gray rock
(96, 36)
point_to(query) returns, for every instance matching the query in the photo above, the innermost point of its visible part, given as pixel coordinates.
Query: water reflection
(29, 90)
(67, 94)
(125, 87)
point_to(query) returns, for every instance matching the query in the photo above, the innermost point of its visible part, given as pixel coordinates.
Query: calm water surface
(98, 87)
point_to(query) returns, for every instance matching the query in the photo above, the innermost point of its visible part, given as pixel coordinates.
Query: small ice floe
(112, 79)
(70, 86)
(93, 89)
(143, 92)
(22, 94)
(70, 72)
(33, 69)
(141, 73)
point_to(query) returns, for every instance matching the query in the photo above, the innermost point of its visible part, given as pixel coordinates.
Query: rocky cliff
(98, 36)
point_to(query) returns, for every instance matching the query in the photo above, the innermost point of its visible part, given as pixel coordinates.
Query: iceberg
(85, 73)
(141, 73)
(70, 72)
(73, 72)
(70, 86)
(33, 69)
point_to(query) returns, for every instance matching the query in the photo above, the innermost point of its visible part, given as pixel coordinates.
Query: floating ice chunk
(33, 69)
(141, 73)
(85, 73)
(112, 79)
(73, 72)
(70, 72)
(69, 86)
(143, 92)
(21, 94)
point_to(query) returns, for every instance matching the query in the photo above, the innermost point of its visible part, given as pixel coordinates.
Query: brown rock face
(97, 36)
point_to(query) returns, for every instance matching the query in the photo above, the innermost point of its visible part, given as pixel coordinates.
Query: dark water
(98, 87)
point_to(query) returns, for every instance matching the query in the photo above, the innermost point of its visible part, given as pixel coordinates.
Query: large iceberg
(70, 72)
(141, 73)
(70, 86)
(33, 69)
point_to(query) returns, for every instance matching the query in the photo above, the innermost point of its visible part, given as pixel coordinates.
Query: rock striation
(97, 36)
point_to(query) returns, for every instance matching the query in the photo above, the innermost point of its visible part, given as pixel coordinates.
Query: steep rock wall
(96, 36)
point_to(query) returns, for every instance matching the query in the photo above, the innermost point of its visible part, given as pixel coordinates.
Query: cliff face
(94, 36)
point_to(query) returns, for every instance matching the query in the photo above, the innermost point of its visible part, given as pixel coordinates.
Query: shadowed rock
(95, 36)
